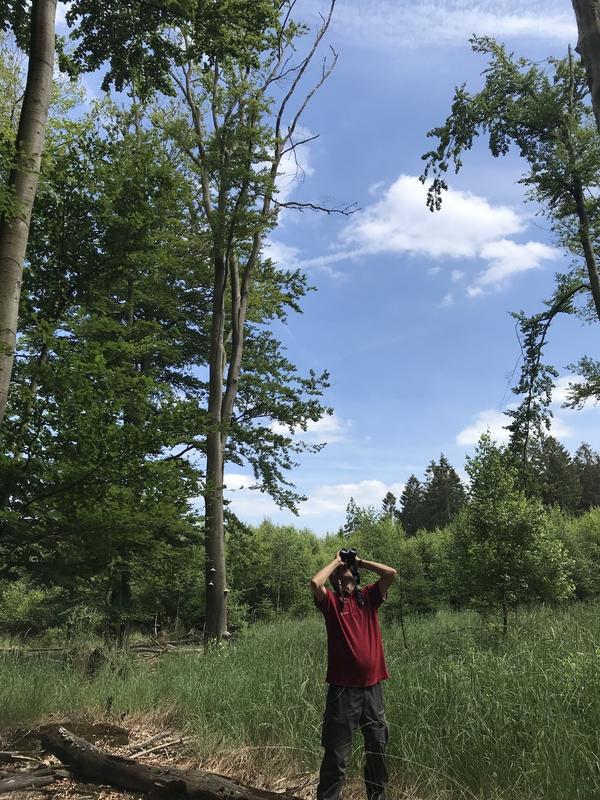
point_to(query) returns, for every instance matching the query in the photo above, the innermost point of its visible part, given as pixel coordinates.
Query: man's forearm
(321, 577)
(381, 569)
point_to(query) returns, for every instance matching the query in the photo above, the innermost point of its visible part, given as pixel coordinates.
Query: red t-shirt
(354, 644)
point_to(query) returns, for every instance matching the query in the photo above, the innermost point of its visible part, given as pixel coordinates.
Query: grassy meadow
(472, 715)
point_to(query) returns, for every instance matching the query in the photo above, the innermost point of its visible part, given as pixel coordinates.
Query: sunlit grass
(471, 714)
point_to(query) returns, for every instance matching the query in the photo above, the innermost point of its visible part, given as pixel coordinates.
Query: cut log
(90, 763)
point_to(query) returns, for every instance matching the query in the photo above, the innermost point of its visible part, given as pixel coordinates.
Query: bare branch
(294, 145)
(320, 33)
(346, 211)
(326, 72)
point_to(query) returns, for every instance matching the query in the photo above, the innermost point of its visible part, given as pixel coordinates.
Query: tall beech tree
(587, 14)
(136, 43)
(236, 119)
(24, 174)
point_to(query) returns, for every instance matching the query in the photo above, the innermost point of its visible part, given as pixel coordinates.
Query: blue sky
(411, 316)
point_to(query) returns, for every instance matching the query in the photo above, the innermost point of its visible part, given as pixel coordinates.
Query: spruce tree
(411, 514)
(587, 464)
(443, 496)
(554, 477)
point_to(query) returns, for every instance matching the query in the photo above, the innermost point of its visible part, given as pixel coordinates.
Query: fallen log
(30, 779)
(89, 762)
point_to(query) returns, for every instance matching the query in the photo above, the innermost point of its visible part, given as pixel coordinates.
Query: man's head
(344, 575)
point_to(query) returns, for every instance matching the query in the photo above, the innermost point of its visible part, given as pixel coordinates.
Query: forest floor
(126, 739)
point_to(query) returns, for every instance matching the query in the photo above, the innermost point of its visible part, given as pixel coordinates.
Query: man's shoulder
(325, 602)
(373, 594)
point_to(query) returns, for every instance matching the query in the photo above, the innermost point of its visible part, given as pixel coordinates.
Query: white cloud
(493, 422)
(448, 300)
(401, 223)
(490, 421)
(283, 255)
(333, 498)
(561, 392)
(61, 14)
(329, 429)
(439, 23)
(507, 258)
(235, 481)
(468, 227)
(295, 166)
(324, 500)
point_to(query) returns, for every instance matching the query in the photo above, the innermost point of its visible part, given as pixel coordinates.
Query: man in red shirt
(355, 669)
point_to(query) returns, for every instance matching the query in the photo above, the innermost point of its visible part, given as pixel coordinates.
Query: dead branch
(352, 208)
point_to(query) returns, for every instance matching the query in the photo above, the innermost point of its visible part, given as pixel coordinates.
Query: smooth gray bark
(23, 182)
(587, 13)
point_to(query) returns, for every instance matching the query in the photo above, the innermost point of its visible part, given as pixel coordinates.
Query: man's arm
(318, 581)
(387, 575)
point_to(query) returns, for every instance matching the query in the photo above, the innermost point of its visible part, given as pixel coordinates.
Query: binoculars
(349, 556)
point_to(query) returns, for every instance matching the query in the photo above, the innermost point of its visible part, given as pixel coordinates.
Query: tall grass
(472, 714)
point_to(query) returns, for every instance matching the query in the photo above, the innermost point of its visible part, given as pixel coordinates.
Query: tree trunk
(23, 181)
(215, 577)
(92, 764)
(587, 13)
(586, 243)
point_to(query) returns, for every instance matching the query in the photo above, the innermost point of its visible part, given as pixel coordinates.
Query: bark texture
(587, 13)
(23, 181)
(88, 762)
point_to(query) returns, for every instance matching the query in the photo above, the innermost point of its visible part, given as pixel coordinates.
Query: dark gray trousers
(346, 710)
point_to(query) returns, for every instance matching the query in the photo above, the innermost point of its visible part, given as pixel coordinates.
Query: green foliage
(26, 608)
(542, 110)
(554, 475)
(500, 553)
(144, 45)
(411, 500)
(587, 464)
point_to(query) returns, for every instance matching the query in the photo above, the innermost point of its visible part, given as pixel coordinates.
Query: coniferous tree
(443, 495)
(554, 477)
(587, 464)
(388, 506)
(411, 501)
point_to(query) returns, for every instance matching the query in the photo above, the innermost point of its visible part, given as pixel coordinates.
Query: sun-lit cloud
(400, 222)
(467, 227)
(61, 14)
(283, 255)
(493, 422)
(561, 393)
(296, 165)
(326, 501)
(329, 429)
(443, 23)
(507, 258)
(334, 498)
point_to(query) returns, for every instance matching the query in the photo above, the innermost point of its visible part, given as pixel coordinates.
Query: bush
(27, 608)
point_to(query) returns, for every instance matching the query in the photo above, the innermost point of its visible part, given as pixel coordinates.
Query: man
(356, 667)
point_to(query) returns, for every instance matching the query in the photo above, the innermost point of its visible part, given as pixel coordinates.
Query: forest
(142, 355)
